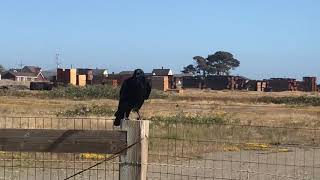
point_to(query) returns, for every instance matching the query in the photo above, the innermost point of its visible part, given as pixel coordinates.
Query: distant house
(216, 82)
(178, 79)
(87, 72)
(162, 72)
(19, 76)
(126, 73)
(94, 76)
(282, 84)
(192, 82)
(165, 76)
(100, 72)
(99, 76)
(27, 73)
(67, 76)
(50, 75)
(118, 79)
(31, 69)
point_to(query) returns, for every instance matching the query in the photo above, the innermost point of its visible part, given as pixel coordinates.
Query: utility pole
(20, 65)
(58, 63)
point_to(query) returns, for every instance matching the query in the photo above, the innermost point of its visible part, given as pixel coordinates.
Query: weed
(194, 119)
(300, 100)
(87, 92)
(88, 110)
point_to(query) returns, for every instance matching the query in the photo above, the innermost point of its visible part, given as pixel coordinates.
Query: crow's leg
(127, 114)
(120, 115)
(117, 121)
(139, 117)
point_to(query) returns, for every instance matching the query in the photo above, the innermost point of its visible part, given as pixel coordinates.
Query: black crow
(134, 91)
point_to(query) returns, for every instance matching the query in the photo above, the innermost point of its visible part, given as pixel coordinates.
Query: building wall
(67, 76)
(160, 82)
(120, 78)
(191, 82)
(281, 84)
(88, 73)
(40, 78)
(81, 80)
(9, 76)
(220, 82)
(310, 84)
(261, 86)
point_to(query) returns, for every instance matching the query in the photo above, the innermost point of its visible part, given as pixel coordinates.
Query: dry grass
(235, 107)
(238, 105)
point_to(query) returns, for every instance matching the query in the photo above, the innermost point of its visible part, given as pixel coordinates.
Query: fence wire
(56, 166)
(178, 150)
(181, 150)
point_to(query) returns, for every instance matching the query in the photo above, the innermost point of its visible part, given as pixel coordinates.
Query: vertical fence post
(133, 164)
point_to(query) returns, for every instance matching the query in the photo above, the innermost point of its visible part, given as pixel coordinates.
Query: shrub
(88, 110)
(196, 119)
(157, 94)
(96, 91)
(76, 92)
(300, 100)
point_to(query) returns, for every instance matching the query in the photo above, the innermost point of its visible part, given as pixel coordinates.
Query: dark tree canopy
(219, 63)
(190, 69)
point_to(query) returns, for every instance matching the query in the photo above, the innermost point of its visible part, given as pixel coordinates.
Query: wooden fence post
(134, 163)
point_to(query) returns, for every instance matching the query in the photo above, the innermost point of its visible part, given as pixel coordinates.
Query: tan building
(67, 76)
(167, 78)
(160, 83)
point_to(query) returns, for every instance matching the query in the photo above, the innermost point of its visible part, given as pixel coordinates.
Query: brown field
(228, 152)
(238, 106)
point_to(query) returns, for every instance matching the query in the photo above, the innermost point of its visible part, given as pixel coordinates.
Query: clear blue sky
(270, 38)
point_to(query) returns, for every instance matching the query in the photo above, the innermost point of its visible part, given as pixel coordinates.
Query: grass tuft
(191, 119)
(87, 92)
(292, 100)
(87, 110)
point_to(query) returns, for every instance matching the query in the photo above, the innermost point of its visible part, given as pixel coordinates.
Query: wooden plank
(62, 141)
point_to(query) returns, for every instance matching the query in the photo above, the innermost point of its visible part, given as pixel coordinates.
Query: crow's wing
(124, 100)
(124, 90)
(147, 90)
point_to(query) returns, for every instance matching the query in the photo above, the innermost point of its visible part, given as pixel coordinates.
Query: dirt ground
(240, 107)
(296, 162)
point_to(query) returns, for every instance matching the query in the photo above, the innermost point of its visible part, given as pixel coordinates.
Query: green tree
(190, 69)
(219, 63)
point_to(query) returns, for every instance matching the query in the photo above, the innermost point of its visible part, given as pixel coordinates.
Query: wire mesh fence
(201, 151)
(178, 150)
(36, 165)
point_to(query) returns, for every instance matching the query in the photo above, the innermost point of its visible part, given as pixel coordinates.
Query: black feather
(134, 91)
